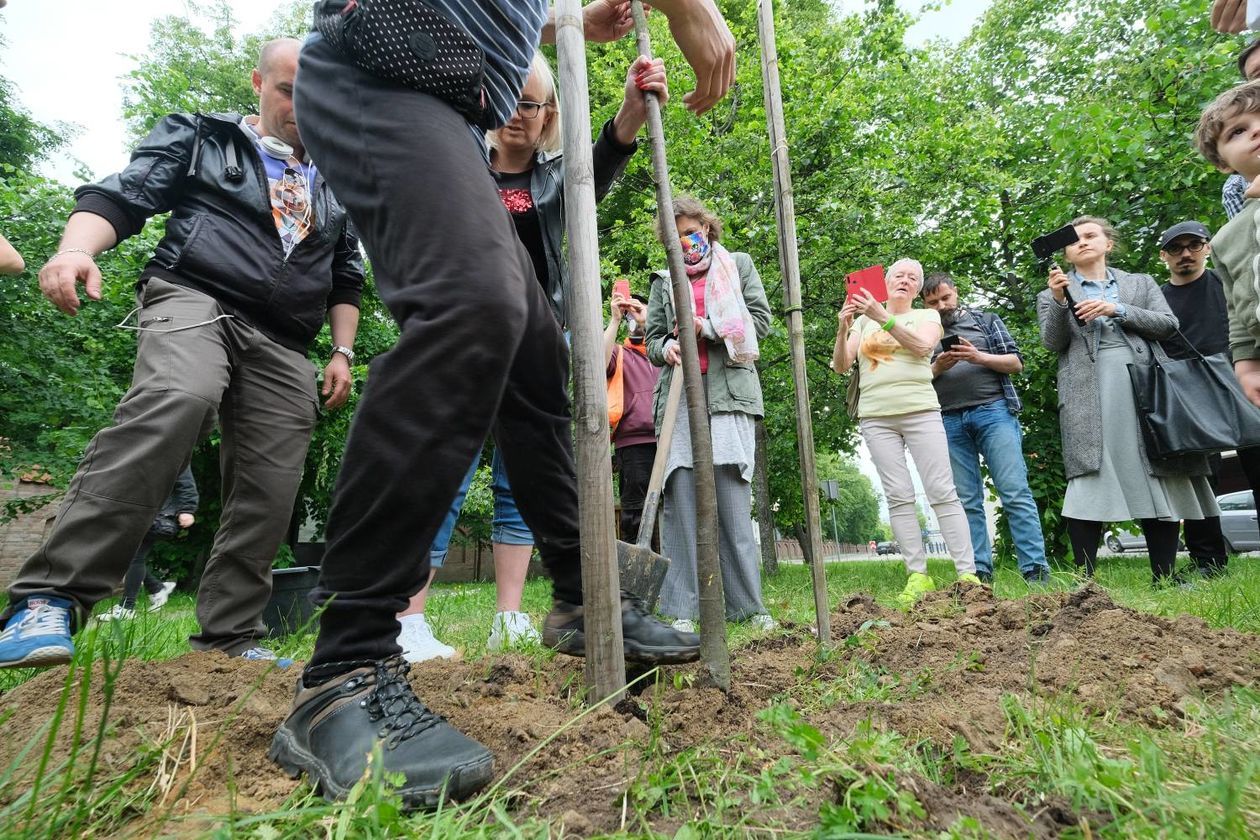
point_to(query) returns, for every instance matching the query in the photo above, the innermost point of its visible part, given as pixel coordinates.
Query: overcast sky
(67, 58)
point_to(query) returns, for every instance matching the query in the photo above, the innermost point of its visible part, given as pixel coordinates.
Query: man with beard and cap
(980, 408)
(1196, 296)
(631, 388)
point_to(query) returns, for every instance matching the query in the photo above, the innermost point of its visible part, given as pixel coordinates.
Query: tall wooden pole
(785, 209)
(713, 650)
(601, 588)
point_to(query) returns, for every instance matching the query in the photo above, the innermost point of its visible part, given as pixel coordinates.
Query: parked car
(887, 548)
(1238, 524)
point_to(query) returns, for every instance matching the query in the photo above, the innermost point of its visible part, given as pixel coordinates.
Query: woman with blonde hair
(899, 411)
(526, 163)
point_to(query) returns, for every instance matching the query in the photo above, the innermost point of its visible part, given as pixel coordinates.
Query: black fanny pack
(408, 42)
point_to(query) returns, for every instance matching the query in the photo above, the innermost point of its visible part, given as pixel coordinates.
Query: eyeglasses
(529, 110)
(1192, 247)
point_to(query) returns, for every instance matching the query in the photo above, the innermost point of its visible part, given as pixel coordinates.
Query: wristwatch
(345, 351)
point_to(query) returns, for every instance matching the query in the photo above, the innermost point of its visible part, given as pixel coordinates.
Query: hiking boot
(645, 640)
(511, 630)
(116, 613)
(917, 585)
(258, 653)
(333, 727)
(985, 577)
(158, 599)
(418, 642)
(1038, 575)
(38, 634)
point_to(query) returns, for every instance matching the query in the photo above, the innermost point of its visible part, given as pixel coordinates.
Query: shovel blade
(642, 572)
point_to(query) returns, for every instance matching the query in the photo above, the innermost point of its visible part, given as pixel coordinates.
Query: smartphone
(622, 287)
(950, 342)
(1046, 246)
(871, 279)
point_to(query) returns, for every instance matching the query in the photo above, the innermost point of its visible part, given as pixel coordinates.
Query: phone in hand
(871, 279)
(950, 342)
(622, 287)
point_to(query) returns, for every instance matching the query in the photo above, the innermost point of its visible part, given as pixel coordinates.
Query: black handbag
(1192, 406)
(164, 525)
(411, 43)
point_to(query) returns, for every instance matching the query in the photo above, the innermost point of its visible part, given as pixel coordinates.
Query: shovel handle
(652, 500)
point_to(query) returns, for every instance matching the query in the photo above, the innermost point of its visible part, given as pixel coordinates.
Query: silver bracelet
(90, 255)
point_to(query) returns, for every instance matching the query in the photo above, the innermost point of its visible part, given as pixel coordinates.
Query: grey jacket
(1148, 319)
(546, 186)
(729, 385)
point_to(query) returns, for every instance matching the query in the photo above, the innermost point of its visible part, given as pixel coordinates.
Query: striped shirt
(1232, 197)
(508, 32)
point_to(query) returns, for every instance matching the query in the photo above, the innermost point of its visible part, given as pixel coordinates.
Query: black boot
(646, 640)
(333, 727)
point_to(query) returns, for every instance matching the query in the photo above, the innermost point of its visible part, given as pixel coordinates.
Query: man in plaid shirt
(980, 410)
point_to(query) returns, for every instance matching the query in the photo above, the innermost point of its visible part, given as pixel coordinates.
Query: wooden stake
(713, 650)
(789, 263)
(601, 589)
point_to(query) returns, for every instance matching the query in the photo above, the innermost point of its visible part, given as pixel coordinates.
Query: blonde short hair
(549, 141)
(685, 205)
(1244, 98)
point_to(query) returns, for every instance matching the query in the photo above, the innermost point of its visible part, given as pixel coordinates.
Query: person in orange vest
(631, 384)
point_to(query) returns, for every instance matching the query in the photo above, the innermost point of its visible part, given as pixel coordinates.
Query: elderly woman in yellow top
(897, 404)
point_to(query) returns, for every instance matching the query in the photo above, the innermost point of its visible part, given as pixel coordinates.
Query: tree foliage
(956, 154)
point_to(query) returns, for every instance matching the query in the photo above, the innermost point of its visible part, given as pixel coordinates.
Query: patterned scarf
(724, 303)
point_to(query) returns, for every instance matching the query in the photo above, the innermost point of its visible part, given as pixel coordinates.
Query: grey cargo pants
(266, 400)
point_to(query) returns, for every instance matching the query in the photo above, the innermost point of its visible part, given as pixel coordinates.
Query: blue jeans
(507, 526)
(992, 431)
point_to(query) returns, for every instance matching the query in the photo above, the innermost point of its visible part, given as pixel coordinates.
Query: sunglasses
(1192, 247)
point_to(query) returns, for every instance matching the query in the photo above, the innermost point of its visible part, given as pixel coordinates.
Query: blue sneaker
(38, 635)
(262, 654)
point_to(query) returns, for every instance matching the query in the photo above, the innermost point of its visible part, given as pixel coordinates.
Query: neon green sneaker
(972, 579)
(916, 586)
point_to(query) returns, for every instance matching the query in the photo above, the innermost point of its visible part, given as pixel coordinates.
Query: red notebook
(871, 279)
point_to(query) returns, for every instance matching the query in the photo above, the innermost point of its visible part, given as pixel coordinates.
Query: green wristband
(889, 324)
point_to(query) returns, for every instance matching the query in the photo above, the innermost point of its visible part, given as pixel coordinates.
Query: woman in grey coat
(1100, 320)
(731, 314)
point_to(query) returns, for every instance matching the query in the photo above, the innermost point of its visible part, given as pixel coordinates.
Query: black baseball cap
(1184, 229)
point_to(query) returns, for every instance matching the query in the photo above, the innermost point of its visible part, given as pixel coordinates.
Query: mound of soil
(935, 673)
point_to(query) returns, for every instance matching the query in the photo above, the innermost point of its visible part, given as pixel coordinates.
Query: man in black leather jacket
(257, 252)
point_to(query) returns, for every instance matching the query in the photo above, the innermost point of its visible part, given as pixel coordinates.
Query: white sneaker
(684, 625)
(510, 630)
(418, 642)
(158, 599)
(763, 622)
(116, 612)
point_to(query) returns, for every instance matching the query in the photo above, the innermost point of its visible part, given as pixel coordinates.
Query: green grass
(1196, 778)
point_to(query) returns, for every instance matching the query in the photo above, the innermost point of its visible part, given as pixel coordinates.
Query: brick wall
(21, 536)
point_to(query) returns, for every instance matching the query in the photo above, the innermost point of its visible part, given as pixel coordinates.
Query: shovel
(642, 569)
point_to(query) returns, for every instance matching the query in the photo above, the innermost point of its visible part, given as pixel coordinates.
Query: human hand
(963, 351)
(706, 42)
(617, 306)
(1088, 310)
(186, 520)
(607, 20)
(337, 381)
(1253, 189)
(644, 75)
(673, 354)
(60, 275)
(871, 308)
(1229, 16)
(1058, 283)
(848, 312)
(1248, 373)
(698, 323)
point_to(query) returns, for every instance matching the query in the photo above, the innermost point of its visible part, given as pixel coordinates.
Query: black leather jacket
(221, 238)
(546, 185)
